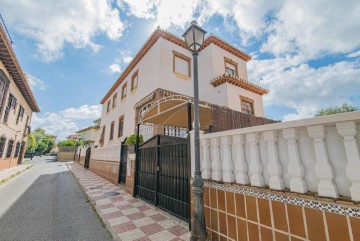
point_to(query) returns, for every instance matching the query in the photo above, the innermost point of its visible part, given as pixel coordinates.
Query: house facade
(17, 104)
(162, 70)
(89, 134)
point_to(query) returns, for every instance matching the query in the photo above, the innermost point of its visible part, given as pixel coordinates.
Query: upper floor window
(231, 67)
(134, 80)
(112, 130)
(123, 91)
(121, 126)
(108, 106)
(10, 105)
(114, 100)
(181, 65)
(20, 114)
(17, 149)
(9, 149)
(247, 105)
(4, 86)
(2, 145)
(102, 137)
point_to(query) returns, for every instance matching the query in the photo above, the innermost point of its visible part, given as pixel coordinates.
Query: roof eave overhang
(8, 58)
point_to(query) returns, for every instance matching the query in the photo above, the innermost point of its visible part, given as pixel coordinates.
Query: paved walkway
(5, 174)
(129, 218)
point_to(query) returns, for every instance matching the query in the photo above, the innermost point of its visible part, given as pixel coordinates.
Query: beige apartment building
(157, 84)
(17, 104)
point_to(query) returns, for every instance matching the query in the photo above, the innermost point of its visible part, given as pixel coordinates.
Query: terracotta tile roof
(8, 58)
(178, 41)
(234, 80)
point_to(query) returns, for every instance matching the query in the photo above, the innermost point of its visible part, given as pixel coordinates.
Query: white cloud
(114, 68)
(52, 24)
(354, 54)
(35, 83)
(65, 122)
(295, 84)
(140, 8)
(124, 59)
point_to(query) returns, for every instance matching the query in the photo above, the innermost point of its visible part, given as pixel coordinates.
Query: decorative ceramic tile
(314, 204)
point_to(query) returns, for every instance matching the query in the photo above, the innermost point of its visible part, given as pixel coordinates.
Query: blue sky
(307, 53)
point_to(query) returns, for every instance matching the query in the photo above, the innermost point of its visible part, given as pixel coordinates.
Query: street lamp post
(194, 38)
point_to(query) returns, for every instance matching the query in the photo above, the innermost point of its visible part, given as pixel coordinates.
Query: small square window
(247, 105)
(124, 90)
(135, 80)
(181, 65)
(231, 67)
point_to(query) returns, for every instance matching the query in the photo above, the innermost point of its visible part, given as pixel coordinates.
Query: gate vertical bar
(157, 169)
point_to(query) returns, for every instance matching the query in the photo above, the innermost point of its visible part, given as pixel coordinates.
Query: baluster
(206, 163)
(238, 157)
(295, 167)
(227, 163)
(323, 168)
(348, 130)
(255, 166)
(215, 160)
(274, 166)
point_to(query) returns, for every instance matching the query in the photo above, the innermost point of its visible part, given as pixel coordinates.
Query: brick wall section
(235, 216)
(8, 163)
(108, 170)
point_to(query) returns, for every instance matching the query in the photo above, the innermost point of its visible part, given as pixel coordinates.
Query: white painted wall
(318, 154)
(12, 130)
(156, 71)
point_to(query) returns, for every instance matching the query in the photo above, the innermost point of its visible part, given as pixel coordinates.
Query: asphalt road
(46, 203)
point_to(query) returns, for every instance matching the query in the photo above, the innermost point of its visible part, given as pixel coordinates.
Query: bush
(131, 140)
(345, 107)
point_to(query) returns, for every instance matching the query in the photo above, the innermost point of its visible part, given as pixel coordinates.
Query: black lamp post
(194, 38)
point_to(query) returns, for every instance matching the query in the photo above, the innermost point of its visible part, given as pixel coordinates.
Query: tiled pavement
(5, 174)
(128, 218)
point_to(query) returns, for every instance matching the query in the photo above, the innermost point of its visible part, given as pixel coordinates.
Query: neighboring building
(88, 134)
(157, 84)
(73, 137)
(17, 104)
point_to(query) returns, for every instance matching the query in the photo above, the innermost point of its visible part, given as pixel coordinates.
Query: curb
(92, 203)
(2, 182)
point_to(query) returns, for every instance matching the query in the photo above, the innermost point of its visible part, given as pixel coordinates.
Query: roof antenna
(7, 32)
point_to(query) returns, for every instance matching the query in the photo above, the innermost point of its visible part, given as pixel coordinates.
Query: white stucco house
(156, 85)
(17, 104)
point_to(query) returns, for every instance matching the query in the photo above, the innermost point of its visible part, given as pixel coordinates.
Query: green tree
(67, 143)
(345, 107)
(31, 143)
(131, 140)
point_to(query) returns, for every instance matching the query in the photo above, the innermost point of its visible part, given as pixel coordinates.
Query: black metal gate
(123, 161)
(163, 172)
(87, 158)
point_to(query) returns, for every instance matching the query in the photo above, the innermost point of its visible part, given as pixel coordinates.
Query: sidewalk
(129, 218)
(12, 172)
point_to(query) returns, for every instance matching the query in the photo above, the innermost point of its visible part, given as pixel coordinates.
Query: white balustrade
(216, 166)
(274, 166)
(206, 163)
(238, 157)
(227, 163)
(319, 154)
(349, 130)
(323, 168)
